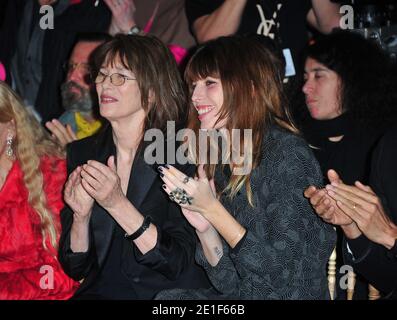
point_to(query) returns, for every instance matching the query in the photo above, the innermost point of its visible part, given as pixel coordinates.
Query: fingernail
(161, 175)
(335, 184)
(331, 193)
(167, 166)
(164, 186)
(160, 169)
(329, 187)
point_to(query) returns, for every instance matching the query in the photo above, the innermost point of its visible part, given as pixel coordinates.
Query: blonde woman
(32, 174)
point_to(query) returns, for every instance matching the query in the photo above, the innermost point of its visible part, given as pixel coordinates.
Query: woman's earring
(9, 151)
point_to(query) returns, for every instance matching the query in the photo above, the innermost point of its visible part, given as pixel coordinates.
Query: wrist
(211, 209)
(115, 207)
(127, 27)
(390, 237)
(207, 233)
(351, 230)
(81, 220)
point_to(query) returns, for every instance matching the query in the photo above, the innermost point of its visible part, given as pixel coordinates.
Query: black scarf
(318, 132)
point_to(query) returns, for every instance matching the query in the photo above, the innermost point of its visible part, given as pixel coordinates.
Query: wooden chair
(373, 293)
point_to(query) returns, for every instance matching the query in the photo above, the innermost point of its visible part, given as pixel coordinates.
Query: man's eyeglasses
(83, 66)
(116, 79)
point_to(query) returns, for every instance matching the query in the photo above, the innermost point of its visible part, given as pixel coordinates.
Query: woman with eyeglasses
(122, 236)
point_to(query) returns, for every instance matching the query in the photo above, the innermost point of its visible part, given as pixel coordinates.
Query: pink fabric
(149, 24)
(178, 52)
(2, 72)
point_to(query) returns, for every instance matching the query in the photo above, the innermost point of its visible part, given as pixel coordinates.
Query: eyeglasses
(83, 66)
(116, 79)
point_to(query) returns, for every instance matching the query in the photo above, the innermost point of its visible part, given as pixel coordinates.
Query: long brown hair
(31, 143)
(251, 77)
(156, 72)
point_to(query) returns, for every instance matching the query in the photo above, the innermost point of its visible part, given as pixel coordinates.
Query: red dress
(27, 270)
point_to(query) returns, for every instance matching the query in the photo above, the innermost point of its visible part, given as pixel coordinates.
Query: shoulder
(281, 142)
(390, 138)
(53, 168)
(384, 156)
(288, 154)
(87, 148)
(386, 149)
(83, 144)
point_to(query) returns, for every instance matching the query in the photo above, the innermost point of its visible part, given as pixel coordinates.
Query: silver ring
(186, 179)
(180, 196)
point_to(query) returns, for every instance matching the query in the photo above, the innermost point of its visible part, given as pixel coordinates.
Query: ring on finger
(180, 196)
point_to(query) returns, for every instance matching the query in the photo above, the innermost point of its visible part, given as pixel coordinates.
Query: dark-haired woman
(121, 233)
(260, 239)
(350, 95)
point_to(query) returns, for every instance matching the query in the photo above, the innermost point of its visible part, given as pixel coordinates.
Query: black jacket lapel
(141, 179)
(102, 223)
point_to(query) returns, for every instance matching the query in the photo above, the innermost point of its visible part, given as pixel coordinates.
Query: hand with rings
(193, 194)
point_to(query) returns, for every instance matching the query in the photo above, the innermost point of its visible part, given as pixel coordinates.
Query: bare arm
(81, 204)
(324, 15)
(212, 245)
(224, 21)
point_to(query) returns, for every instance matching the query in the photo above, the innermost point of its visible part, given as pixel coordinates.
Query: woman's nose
(197, 94)
(307, 87)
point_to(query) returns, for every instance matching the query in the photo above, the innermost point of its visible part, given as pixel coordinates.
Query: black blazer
(372, 260)
(169, 265)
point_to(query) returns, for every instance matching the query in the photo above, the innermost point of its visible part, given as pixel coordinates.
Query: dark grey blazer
(285, 251)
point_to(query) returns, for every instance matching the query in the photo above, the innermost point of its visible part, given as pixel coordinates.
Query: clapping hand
(195, 196)
(76, 197)
(325, 206)
(102, 183)
(361, 204)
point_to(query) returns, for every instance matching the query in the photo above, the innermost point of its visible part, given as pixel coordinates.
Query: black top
(113, 267)
(286, 248)
(112, 282)
(282, 20)
(351, 156)
(372, 260)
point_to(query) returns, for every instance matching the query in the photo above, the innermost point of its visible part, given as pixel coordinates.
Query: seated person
(368, 219)
(32, 175)
(120, 232)
(260, 239)
(79, 99)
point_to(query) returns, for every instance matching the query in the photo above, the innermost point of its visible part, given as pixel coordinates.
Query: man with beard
(78, 94)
